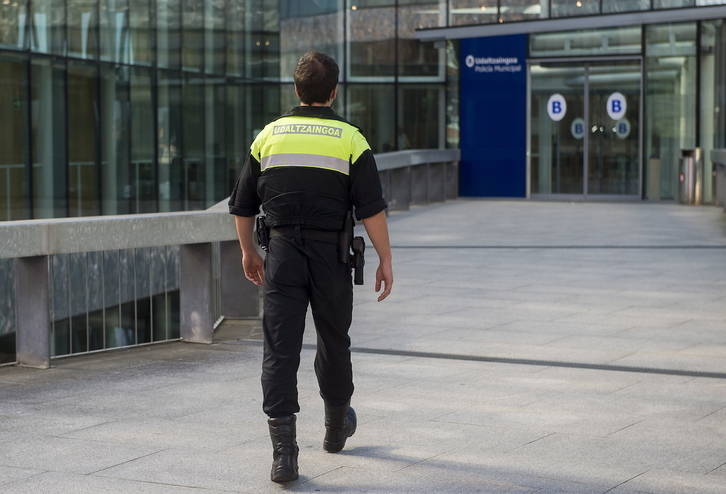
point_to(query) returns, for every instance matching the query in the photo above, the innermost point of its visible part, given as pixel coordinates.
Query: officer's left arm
(377, 229)
(252, 262)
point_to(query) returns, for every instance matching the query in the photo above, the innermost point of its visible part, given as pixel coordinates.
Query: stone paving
(528, 347)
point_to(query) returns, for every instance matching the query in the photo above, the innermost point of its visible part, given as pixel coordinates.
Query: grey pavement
(528, 347)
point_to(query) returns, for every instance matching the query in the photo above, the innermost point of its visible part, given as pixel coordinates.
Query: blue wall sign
(493, 116)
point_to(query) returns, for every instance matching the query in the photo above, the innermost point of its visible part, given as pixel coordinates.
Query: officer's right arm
(252, 262)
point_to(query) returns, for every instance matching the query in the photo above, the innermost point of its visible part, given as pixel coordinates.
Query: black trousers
(298, 273)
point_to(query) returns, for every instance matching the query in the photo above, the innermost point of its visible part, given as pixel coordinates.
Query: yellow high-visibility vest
(309, 142)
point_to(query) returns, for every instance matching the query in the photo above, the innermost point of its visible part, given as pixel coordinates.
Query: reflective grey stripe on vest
(311, 160)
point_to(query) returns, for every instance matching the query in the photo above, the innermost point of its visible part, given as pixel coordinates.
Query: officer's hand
(384, 276)
(253, 266)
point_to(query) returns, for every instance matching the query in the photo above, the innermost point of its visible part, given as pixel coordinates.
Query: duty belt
(306, 233)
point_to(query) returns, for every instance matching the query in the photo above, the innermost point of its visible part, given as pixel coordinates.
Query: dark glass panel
(127, 297)
(49, 139)
(142, 177)
(169, 152)
(371, 107)
(419, 117)
(60, 337)
(14, 98)
(95, 284)
(83, 185)
(238, 136)
(217, 184)
(79, 302)
(115, 143)
(194, 168)
(143, 295)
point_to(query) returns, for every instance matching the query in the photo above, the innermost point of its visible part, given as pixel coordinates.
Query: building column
(32, 307)
(196, 287)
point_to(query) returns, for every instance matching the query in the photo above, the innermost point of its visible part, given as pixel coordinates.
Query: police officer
(307, 170)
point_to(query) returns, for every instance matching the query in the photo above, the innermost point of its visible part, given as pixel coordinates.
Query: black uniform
(307, 169)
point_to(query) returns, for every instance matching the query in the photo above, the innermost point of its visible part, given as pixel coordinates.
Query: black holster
(263, 233)
(348, 243)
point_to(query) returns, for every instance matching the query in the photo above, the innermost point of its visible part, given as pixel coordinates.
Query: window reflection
(310, 26)
(214, 36)
(140, 32)
(13, 22)
(570, 8)
(670, 108)
(420, 118)
(168, 33)
(416, 58)
(115, 140)
(236, 26)
(611, 41)
(673, 4)
(192, 37)
(371, 107)
(48, 26)
(82, 28)
(115, 42)
(465, 12)
(371, 36)
(614, 6)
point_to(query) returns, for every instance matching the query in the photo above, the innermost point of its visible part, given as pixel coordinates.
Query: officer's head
(316, 78)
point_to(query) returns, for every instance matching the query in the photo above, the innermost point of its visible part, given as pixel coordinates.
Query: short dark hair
(316, 75)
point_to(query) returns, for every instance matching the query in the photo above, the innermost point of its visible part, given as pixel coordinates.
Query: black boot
(340, 424)
(285, 450)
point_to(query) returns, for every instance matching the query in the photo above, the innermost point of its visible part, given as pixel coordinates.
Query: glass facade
(150, 106)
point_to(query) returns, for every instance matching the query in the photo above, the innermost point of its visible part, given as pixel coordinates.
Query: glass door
(613, 161)
(584, 132)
